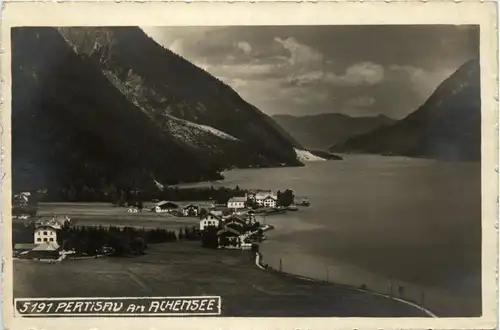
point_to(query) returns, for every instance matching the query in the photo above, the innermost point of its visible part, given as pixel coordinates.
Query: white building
(236, 203)
(266, 199)
(269, 201)
(211, 219)
(190, 210)
(45, 234)
(165, 206)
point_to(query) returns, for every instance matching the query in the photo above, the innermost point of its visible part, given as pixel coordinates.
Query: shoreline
(258, 262)
(231, 276)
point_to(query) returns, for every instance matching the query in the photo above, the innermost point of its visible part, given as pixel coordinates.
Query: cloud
(245, 47)
(362, 101)
(415, 74)
(365, 73)
(299, 53)
(246, 70)
(237, 83)
(359, 74)
(312, 69)
(307, 78)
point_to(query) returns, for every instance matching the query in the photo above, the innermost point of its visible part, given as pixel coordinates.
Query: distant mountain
(447, 126)
(98, 106)
(323, 130)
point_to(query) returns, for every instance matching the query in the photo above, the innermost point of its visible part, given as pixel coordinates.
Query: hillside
(323, 130)
(447, 126)
(104, 106)
(164, 85)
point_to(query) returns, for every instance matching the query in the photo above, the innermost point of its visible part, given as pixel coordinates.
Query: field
(184, 268)
(95, 214)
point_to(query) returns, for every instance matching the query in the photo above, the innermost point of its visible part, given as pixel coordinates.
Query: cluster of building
(220, 218)
(263, 199)
(234, 221)
(189, 210)
(234, 230)
(266, 199)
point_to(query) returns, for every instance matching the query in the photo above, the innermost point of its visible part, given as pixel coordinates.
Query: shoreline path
(258, 263)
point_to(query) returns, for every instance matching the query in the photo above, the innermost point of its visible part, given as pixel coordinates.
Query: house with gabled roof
(235, 220)
(270, 201)
(164, 206)
(190, 210)
(236, 203)
(211, 219)
(265, 199)
(45, 234)
(229, 237)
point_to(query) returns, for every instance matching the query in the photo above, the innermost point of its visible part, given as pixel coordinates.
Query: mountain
(447, 126)
(323, 130)
(100, 106)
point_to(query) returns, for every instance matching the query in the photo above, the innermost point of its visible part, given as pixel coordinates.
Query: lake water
(383, 222)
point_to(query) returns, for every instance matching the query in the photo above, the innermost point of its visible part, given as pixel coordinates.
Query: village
(215, 224)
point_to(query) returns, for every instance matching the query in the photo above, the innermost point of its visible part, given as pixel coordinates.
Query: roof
(47, 246)
(213, 214)
(55, 222)
(165, 203)
(220, 208)
(45, 227)
(217, 213)
(228, 229)
(237, 199)
(265, 194)
(190, 205)
(237, 218)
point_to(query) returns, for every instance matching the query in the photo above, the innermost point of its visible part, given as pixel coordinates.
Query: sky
(307, 70)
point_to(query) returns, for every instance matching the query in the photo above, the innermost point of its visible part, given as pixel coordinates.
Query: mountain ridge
(115, 54)
(320, 131)
(446, 126)
(79, 121)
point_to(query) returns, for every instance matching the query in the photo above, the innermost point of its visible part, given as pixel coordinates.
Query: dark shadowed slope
(71, 126)
(447, 126)
(165, 85)
(84, 121)
(323, 130)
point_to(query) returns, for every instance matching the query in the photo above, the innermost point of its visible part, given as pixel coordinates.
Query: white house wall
(45, 235)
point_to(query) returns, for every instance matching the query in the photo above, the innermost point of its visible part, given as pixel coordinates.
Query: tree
(286, 198)
(209, 238)
(203, 212)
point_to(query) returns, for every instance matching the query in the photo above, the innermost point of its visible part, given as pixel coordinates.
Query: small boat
(292, 208)
(305, 203)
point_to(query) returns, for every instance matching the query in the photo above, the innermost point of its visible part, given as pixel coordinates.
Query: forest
(112, 240)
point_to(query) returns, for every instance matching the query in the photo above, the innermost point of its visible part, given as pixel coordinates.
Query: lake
(385, 222)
